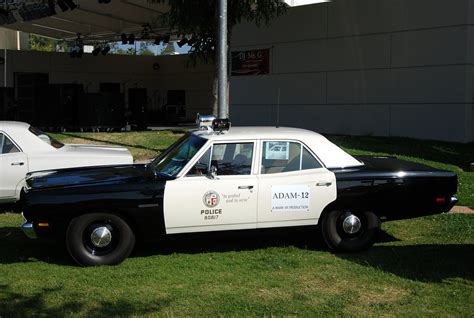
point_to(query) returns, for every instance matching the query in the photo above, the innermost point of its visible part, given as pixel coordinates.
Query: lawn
(419, 267)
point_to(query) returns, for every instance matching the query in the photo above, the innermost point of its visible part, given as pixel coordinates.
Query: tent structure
(94, 20)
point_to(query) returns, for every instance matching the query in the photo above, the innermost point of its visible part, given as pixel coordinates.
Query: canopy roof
(93, 20)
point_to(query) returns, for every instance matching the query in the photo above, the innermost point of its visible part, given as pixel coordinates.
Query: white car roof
(331, 155)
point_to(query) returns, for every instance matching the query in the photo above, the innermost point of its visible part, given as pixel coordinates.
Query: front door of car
(225, 200)
(294, 187)
(13, 168)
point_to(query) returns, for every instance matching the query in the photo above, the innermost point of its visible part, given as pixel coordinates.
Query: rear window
(45, 137)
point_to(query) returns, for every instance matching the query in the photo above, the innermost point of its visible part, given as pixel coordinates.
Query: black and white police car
(220, 179)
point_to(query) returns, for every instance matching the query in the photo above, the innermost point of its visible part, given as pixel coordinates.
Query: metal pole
(222, 60)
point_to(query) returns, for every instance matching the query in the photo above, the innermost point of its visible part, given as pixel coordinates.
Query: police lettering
(211, 211)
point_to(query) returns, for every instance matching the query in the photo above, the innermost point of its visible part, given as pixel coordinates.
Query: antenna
(278, 109)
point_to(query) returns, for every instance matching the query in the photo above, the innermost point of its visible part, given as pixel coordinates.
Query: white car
(24, 148)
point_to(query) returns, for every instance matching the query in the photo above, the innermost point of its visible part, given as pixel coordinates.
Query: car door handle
(246, 187)
(20, 163)
(323, 184)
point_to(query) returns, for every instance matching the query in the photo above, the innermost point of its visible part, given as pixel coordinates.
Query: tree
(144, 49)
(39, 43)
(168, 49)
(197, 21)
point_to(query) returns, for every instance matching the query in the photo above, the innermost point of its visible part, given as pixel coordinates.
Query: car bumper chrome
(29, 230)
(452, 202)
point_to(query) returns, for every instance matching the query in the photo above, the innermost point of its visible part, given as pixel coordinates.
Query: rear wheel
(349, 231)
(99, 239)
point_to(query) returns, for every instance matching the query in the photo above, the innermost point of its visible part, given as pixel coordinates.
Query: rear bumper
(29, 230)
(452, 202)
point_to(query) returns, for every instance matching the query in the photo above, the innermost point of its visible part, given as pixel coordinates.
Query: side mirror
(212, 173)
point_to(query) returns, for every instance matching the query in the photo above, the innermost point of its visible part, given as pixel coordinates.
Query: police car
(218, 178)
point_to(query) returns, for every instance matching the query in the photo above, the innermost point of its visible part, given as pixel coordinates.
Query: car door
(198, 202)
(13, 168)
(294, 186)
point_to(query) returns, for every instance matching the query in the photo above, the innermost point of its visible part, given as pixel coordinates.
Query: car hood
(87, 176)
(95, 150)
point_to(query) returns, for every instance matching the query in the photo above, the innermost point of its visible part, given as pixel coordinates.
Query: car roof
(4, 124)
(330, 154)
(259, 132)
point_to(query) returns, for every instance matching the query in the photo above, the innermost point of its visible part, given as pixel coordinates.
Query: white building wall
(129, 71)
(364, 67)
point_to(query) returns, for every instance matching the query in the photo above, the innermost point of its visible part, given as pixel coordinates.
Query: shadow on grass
(17, 248)
(429, 263)
(23, 304)
(460, 155)
(158, 150)
(10, 207)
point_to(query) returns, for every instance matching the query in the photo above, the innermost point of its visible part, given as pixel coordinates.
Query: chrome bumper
(29, 230)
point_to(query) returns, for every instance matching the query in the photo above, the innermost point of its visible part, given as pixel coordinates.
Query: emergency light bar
(211, 123)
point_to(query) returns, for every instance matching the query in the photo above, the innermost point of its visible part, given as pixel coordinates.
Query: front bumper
(29, 230)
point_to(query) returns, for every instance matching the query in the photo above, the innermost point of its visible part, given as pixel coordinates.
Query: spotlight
(166, 39)
(70, 4)
(131, 39)
(106, 50)
(123, 37)
(62, 5)
(182, 42)
(158, 40)
(96, 50)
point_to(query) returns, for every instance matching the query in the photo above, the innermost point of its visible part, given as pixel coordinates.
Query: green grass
(443, 155)
(421, 267)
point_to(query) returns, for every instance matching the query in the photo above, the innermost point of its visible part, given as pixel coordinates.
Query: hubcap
(351, 224)
(101, 236)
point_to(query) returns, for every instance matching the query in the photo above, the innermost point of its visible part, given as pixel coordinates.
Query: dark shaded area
(15, 304)
(10, 207)
(113, 143)
(428, 263)
(17, 248)
(457, 154)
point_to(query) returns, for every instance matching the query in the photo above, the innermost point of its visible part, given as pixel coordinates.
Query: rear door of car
(196, 202)
(294, 186)
(13, 167)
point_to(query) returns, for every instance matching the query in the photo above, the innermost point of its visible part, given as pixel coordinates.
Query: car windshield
(45, 137)
(173, 160)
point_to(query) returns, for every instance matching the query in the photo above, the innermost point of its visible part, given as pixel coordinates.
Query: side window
(232, 158)
(286, 156)
(6, 146)
(308, 161)
(202, 165)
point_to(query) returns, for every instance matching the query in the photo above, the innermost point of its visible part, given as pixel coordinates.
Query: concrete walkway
(462, 209)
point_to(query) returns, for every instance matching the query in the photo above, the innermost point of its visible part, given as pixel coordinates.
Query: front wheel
(348, 231)
(99, 239)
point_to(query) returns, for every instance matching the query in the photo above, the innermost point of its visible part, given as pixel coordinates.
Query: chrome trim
(101, 236)
(351, 224)
(29, 230)
(453, 200)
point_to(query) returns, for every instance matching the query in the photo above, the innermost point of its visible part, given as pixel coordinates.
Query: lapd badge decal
(211, 199)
